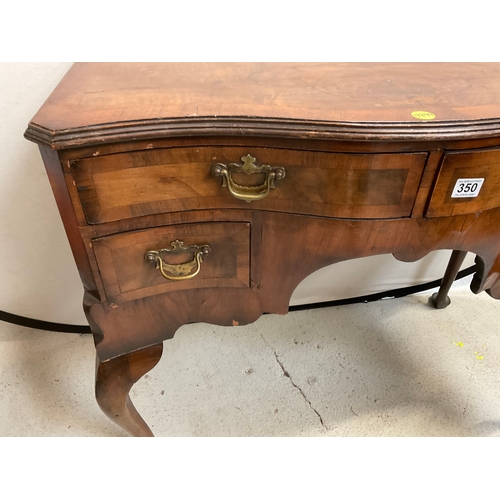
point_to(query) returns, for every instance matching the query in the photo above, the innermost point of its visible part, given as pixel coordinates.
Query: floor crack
(286, 374)
(265, 341)
(466, 407)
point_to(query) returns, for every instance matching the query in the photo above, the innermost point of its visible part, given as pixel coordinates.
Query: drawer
(212, 254)
(367, 186)
(466, 171)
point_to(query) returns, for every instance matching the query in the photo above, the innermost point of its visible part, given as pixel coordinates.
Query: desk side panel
(57, 181)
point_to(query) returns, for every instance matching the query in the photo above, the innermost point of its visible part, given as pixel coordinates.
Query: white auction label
(467, 188)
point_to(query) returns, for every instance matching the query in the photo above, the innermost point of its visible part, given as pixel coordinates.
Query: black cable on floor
(42, 325)
(390, 294)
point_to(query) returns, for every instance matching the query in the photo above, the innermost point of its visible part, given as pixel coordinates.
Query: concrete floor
(388, 368)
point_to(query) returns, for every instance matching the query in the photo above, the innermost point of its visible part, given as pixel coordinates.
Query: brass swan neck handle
(248, 193)
(178, 272)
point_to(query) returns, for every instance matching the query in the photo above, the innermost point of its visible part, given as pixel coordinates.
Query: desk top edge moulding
(206, 192)
(337, 101)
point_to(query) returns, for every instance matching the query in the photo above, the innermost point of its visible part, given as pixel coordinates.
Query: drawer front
(478, 189)
(130, 268)
(341, 185)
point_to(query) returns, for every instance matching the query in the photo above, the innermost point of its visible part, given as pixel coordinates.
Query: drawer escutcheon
(178, 272)
(248, 193)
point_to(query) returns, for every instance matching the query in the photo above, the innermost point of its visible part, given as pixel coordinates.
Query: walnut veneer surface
(208, 192)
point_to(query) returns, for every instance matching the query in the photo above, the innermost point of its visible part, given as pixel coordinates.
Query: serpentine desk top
(103, 103)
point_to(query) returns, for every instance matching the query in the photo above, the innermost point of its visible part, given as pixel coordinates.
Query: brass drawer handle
(178, 272)
(248, 193)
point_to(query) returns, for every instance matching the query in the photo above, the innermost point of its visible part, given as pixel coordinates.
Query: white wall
(38, 277)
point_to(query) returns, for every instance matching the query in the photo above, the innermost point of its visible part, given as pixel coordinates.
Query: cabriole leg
(115, 378)
(440, 300)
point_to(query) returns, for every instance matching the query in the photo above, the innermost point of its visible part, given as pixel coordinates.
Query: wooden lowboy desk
(208, 192)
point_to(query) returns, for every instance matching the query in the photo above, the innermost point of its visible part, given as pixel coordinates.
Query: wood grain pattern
(104, 103)
(285, 250)
(55, 174)
(363, 177)
(159, 181)
(127, 276)
(114, 379)
(472, 164)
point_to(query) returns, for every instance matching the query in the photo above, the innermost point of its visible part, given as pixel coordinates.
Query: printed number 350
(467, 188)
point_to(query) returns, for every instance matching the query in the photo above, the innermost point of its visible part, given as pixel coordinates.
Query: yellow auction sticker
(423, 115)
